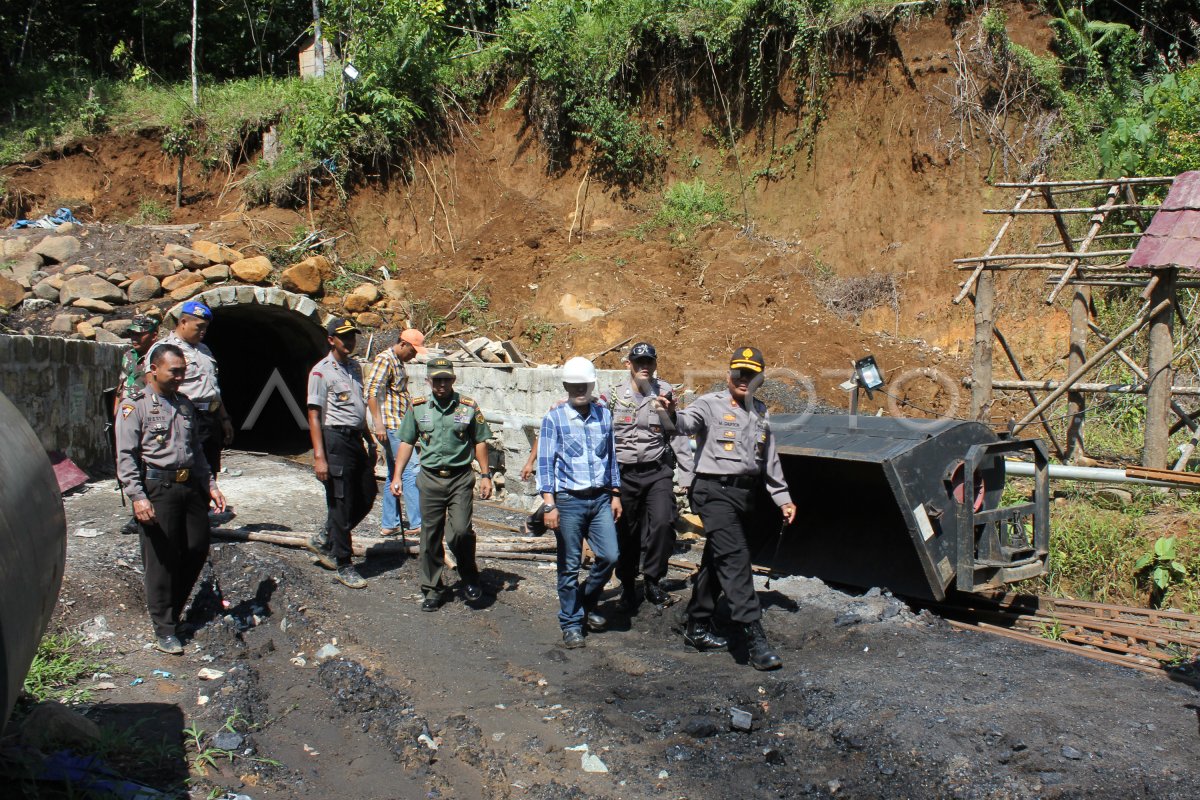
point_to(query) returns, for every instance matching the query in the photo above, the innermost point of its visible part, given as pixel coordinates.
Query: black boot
(655, 595)
(761, 655)
(699, 634)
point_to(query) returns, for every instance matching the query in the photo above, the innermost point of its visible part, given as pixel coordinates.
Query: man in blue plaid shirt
(580, 485)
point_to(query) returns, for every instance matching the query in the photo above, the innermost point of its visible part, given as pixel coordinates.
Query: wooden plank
(1041, 256)
(1037, 183)
(1075, 210)
(1155, 474)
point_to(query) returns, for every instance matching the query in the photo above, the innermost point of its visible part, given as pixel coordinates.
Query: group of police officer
(171, 425)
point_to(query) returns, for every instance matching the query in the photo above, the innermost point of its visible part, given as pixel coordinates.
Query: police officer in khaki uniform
(642, 428)
(343, 450)
(162, 469)
(447, 429)
(738, 483)
(200, 385)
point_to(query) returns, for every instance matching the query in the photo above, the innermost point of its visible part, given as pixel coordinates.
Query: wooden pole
(1159, 372)
(1012, 359)
(1125, 251)
(1100, 182)
(1076, 356)
(1075, 210)
(1097, 223)
(1090, 388)
(981, 354)
(1138, 323)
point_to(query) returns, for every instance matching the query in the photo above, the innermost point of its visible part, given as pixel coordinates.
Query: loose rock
(184, 292)
(52, 723)
(11, 293)
(144, 288)
(187, 256)
(106, 337)
(179, 279)
(160, 266)
(251, 270)
(77, 269)
(219, 272)
(90, 287)
(304, 278)
(65, 323)
(88, 304)
(58, 249)
(216, 253)
(369, 319)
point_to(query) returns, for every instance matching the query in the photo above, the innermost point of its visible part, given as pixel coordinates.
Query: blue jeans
(579, 518)
(412, 498)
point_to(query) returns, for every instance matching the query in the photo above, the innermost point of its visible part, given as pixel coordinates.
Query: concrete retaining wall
(514, 402)
(58, 385)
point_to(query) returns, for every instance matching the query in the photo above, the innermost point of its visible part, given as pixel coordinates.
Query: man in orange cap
(389, 380)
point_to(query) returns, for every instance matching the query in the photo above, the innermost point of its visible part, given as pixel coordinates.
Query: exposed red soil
(878, 192)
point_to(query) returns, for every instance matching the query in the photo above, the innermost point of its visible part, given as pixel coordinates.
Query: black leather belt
(348, 430)
(176, 475)
(449, 472)
(734, 481)
(645, 466)
(587, 494)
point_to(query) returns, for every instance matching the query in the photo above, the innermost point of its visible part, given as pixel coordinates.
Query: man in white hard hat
(580, 485)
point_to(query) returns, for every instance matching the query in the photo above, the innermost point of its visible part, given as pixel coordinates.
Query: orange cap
(415, 338)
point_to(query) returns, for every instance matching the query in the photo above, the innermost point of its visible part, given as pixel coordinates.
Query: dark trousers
(446, 506)
(174, 548)
(212, 439)
(349, 491)
(737, 522)
(646, 529)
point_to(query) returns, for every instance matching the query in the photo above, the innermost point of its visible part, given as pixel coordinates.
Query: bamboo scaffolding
(1097, 223)
(1038, 256)
(1056, 243)
(1012, 359)
(1090, 388)
(1139, 322)
(969, 284)
(1077, 210)
(1099, 182)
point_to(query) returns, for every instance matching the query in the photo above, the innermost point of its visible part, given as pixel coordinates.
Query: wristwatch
(487, 475)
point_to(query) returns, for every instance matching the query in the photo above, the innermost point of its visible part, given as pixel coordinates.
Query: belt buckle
(182, 475)
(443, 473)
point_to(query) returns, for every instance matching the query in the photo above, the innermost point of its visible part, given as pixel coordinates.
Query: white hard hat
(579, 370)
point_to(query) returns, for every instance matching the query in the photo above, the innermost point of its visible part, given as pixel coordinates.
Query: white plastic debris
(663, 774)
(428, 741)
(299, 660)
(88, 533)
(209, 674)
(327, 652)
(202, 700)
(579, 748)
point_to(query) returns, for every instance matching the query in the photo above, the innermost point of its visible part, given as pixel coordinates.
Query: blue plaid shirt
(575, 452)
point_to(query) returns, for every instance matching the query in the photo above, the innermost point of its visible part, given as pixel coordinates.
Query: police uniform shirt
(200, 380)
(732, 441)
(157, 431)
(444, 435)
(637, 427)
(337, 389)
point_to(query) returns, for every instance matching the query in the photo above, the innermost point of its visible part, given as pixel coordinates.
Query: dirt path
(873, 701)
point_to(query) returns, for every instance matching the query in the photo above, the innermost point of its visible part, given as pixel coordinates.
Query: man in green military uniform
(446, 429)
(140, 332)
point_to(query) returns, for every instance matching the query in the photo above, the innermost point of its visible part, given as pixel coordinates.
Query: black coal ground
(872, 701)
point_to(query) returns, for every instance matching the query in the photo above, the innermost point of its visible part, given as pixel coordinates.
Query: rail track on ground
(1146, 639)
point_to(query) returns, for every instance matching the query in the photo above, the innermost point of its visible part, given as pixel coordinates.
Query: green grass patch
(688, 206)
(61, 663)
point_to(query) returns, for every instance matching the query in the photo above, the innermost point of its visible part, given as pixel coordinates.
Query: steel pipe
(1067, 472)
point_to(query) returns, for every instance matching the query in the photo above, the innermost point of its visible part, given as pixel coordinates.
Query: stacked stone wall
(58, 385)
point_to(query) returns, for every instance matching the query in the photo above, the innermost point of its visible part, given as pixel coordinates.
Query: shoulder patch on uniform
(466, 401)
(760, 405)
(479, 417)
(317, 374)
(126, 410)
(416, 401)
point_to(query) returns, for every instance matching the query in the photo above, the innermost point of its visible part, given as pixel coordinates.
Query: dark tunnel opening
(251, 342)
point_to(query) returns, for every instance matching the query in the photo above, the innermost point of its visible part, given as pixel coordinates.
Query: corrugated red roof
(1173, 238)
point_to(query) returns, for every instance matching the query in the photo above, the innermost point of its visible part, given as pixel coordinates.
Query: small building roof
(1173, 238)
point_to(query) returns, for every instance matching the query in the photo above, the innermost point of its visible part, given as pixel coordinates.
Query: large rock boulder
(392, 289)
(218, 272)
(65, 323)
(184, 292)
(187, 256)
(355, 303)
(90, 287)
(47, 289)
(160, 266)
(88, 304)
(108, 337)
(251, 270)
(217, 253)
(322, 265)
(368, 292)
(11, 248)
(58, 249)
(179, 279)
(143, 289)
(304, 278)
(11, 293)
(369, 320)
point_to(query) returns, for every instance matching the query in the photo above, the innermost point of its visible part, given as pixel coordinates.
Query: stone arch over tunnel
(258, 331)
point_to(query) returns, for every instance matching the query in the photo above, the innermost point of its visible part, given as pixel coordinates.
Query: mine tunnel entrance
(251, 343)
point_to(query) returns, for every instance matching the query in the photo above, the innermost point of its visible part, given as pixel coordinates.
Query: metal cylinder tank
(33, 549)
